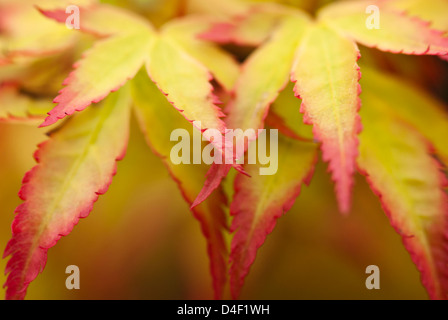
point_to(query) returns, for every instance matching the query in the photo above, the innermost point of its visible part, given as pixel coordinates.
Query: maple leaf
(396, 159)
(129, 42)
(157, 120)
(38, 36)
(322, 61)
(302, 71)
(74, 167)
(260, 200)
(53, 205)
(326, 75)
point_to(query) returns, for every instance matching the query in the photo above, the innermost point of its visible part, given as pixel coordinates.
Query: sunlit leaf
(397, 32)
(260, 200)
(74, 167)
(405, 101)
(396, 160)
(326, 75)
(157, 120)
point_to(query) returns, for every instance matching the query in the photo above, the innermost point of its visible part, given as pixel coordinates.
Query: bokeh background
(141, 241)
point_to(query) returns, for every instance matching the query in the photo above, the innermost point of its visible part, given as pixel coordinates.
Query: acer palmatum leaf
(260, 200)
(63, 186)
(328, 61)
(410, 184)
(157, 120)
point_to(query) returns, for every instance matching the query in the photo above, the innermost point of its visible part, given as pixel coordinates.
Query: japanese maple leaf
(320, 57)
(127, 43)
(397, 157)
(78, 161)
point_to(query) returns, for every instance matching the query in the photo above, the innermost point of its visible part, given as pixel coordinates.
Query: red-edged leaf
(249, 29)
(106, 66)
(157, 120)
(214, 176)
(434, 13)
(326, 75)
(409, 181)
(186, 83)
(407, 102)
(186, 32)
(27, 33)
(257, 87)
(285, 116)
(74, 166)
(397, 32)
(261, 199)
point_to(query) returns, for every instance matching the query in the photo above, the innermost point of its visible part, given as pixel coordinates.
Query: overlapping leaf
(406, 102)
(249, 29)
(396, 160)
(186, 32)
(257, 87)
(74, 166)
(106, 66)
(435, 12)
(285, 116)
(397, 32)
(27, 33)
(157, 120)
(133, 42)
(326, 76)
(260, 200)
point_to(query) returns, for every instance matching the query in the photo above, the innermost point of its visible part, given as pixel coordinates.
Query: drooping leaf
(74, 167)
(404, 101)
(157, 120)
(260, 200)
(326, 75)
(397, 32)
(396, 161)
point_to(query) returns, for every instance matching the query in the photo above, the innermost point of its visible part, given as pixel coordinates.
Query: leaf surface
(396, 161)
(397, 33)
(405, 101)
(157, 119)
(261, 199)
(186, 32)
(326, 75)
(435, 12)
(74, 167)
